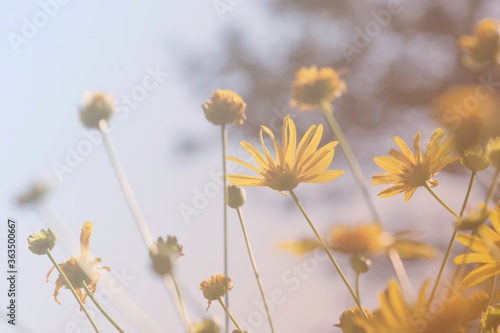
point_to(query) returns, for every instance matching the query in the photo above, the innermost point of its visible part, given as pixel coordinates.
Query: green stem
(226, 269)
(399, 268)
(127, 189)
(492, 289)
(492, 189)
(351, 159)
(254, 265)
(89, 293)
(357, 286)
(453, 236)
(395, 259)
(431, 191)
(181, 303)
(229, 315)
(325, 247)
(70, 286)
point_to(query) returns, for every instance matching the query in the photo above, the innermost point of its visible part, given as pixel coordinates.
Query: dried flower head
(490, 320)
(39, 244)
(293, 165)
(483, 47)
(225, 107)
(474, 159)
(216, 287)
(166, 254)
(408, 171)
(236, 196)
(80, 269)
(313, 87)
(98, 107)
(493, 151)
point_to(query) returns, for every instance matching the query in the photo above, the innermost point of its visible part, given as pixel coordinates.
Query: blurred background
(161, 61)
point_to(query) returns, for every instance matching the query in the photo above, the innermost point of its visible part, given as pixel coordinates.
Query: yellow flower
(348, 320)
(97, 107)
(207, 326)
(293, 165)
(80, 269)
(471, 113)
(483, 47)
(408, 171)
(365, 238)
(474, 159)
(225, 107)
(313, 87)
(486, 251)
(216, 287)
(395, 315)
(490, 321)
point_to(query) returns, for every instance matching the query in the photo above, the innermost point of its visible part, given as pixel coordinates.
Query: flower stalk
(224, 179)
(89, 293)
(229, 315)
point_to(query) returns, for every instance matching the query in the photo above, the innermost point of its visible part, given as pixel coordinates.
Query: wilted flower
(483, 47)
(166, 254)
(225, 107)
(293, 165)
(216, 287)
(313, 87)
(80, 269)
(97, 107)
(39, 244)
(408, 171)
(493, 151)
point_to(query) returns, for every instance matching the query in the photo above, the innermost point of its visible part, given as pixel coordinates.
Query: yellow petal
(404, 149)
(256, 155)
(325, 177)
(237, 160)
(480, 274)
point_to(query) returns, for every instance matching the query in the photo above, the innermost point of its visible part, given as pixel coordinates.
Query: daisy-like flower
(408, 171)
(80, 269)
(395, 315)
(366, 239)
(40, 243)
(97, 107)
(313, 87)
(166, 254)
(484, 46)
(486, 251)
(293, 165)
(216, 287)
(225, 107)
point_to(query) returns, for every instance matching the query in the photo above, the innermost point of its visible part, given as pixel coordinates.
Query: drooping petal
(480, 274)
(409, 193)
(237, 160)
(85, 239)
(261, 161)
(243, 180)
(468, 258)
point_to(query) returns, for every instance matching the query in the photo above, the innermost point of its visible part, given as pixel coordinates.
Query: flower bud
(39, 244)
(166, 255)
(236, 196)
(361, 264)
(474, 159)
(493, 151)
(474, 219)
(207, 326)
(36, 193)
(225, 107)
(97, 107)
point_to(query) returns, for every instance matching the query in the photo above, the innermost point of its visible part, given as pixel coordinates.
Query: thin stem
(453, 236)
(431, 191)
(326, 109)
(254, 265)
(230, 315)
(70, 286)
(399, 268)
(89, 293)
(493, 280)
(127, 189)
(224, 169)
(395, 259)
(181, 303)
(492, 189)
(324, 246)
(357, 286)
